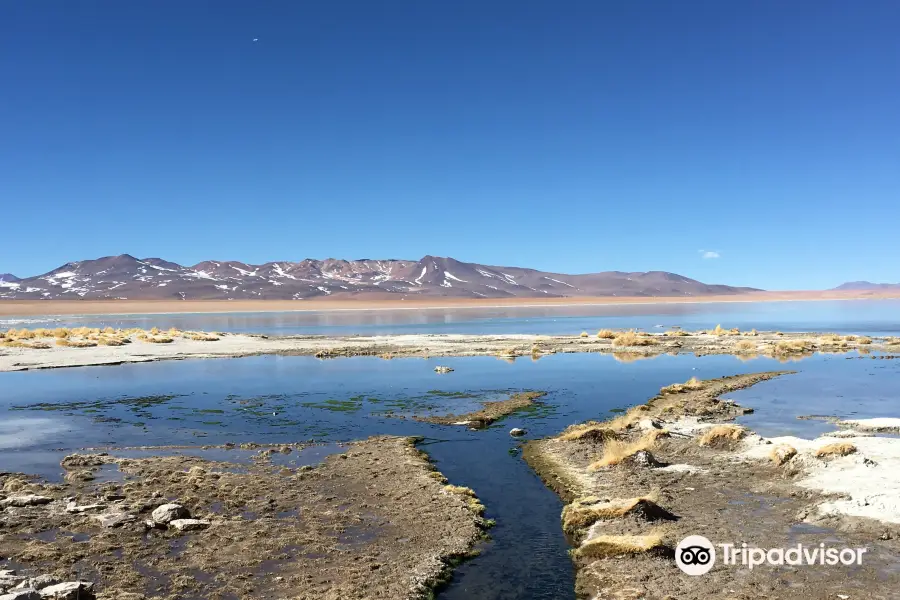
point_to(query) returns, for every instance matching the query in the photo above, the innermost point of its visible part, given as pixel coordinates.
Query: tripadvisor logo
(696, 555)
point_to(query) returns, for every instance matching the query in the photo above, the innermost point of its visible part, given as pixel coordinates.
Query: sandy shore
(111, 307)
(786, 346)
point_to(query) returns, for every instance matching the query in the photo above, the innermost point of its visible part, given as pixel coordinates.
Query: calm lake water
(874, 317)
(46, 414)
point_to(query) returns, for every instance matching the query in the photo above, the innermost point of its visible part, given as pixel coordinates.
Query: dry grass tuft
(17, 343)
(691, 384)
(605, 546)
(111, 341)
(615, 451)
(199, 336)
(782, 453)
(584, 512)
(745, 346)
(159, 339)
(751, 333)
(719, 330)
(677, 333)
(837, 449)
(606, 334)
(583, 334)
(793, 347)
(632, 338)
(864, 340)
(592, 430)
(722, 435)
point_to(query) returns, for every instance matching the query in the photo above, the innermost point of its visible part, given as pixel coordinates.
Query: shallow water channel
(46, 414)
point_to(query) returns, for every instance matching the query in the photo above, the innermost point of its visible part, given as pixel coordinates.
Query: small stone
(114, 519)
(23, 594)
(648, 424)
(642, 458)
(73, 507)
(169, 512)
(516, 432)
(27, 500)
(442, 369)
(39, 582)
(70, 590)
(189, 524)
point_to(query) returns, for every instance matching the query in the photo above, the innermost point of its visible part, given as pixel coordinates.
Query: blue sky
(572, 136)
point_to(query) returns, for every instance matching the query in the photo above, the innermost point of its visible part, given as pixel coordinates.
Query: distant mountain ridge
(127, 277)
(867, 285)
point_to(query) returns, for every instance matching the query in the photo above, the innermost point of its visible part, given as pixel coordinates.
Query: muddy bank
(374, 521)
(491, 411)
(44, 354)
(638, 484)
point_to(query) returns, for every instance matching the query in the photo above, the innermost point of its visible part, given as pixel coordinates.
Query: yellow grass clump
(745, 346)
(16, 343)
(615, 451)
(632, 338)
(61, 332)
(158, 339)
(199, 336)
(722, 435)
(111, 341)
(719, 330)
(606, 334)
(584, 512)
(583, 334)
(751, 333)
(605, 546)
(677, 388)
(471, 500)
(793, 347)
(864, 340)
(677, 333)
(592, 430)
(782, 453)
(836, 449)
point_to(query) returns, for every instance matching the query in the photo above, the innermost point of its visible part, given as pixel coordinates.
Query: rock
(39, 582)
(642, 458)
(27, 500)
(23, 594)
(8, 581)
(648, 424)
(516, 432)
(169, 512)
(189, 524)
(114, 519)
(442, 369)
(70, 590)
(85, 460)
(73, 507)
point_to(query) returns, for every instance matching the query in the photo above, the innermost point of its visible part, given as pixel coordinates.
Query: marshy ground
(375, 521)
(637, 484)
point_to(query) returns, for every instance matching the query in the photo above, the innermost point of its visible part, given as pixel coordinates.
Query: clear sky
(571, 136)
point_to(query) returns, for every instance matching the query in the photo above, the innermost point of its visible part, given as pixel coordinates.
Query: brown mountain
(126, 277)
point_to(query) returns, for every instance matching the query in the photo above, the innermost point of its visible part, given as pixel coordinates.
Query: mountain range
(127, 277)
(867, 285)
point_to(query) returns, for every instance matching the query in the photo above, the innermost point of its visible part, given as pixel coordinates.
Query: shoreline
(90, 347)
(676, 466)
(53, 308)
